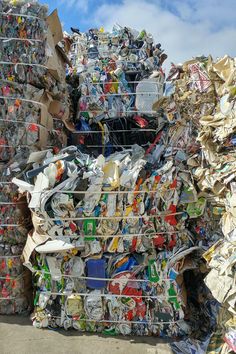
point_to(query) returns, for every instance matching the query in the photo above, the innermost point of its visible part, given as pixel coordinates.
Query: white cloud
(186, 28)
(81, 5)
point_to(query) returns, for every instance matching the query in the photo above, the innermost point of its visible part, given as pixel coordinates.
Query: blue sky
(186, 28)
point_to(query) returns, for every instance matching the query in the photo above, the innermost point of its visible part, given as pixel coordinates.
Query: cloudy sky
(186, 28)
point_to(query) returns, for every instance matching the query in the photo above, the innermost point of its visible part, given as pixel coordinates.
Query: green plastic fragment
(89, 229)
(152, 271)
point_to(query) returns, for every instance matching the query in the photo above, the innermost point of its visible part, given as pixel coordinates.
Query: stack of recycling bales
(116, 235)
(29, 90)
(202, 94)
(121, 222)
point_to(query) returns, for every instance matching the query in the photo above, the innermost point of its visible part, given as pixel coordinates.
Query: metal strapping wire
(142, 322)
(119, 94)
(104, 295)
(114, 217)
(23, 122)
(116, 145)
(10, 225)
(12, 203)
(7, 39)
(100, 192)
(14, 147)
(116, 280)
(12, 278)
(22, 146)
(24, 64)
(100, 111)
(122, 83)
(21, 15)
(23, 100)
(148, 234)
(12, 256)
(115, 131)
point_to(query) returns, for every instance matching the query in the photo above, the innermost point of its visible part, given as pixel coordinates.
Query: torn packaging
(204, 95)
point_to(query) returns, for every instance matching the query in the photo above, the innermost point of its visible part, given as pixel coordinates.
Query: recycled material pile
(202, 93)
(116, 230)
(113, 235)
(121, 220)
(114, 78)
(129, 178)
(28, 93)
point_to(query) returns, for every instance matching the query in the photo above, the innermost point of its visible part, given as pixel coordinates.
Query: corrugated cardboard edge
(54, 24)
(58, 58)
